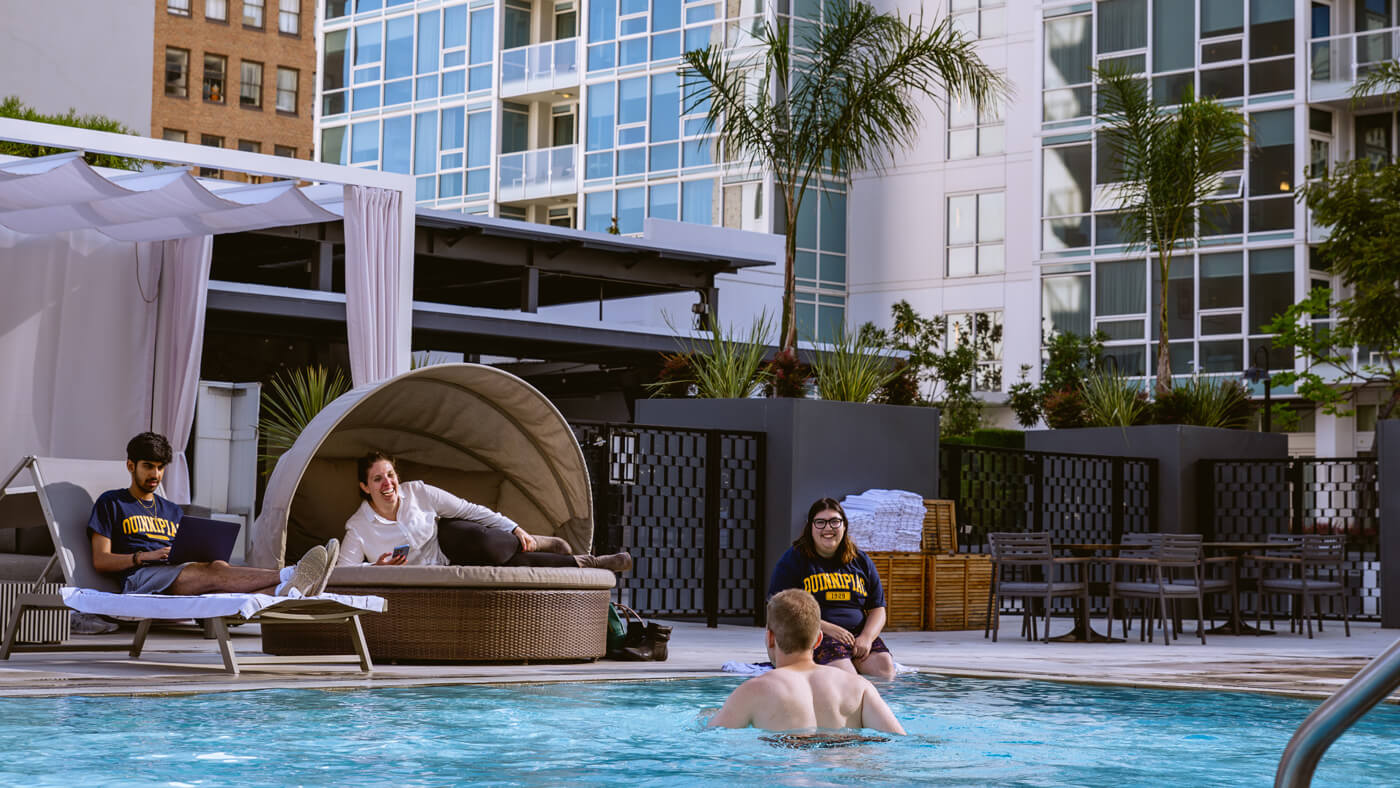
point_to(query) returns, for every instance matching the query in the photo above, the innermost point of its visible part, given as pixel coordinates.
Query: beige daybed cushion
(552, 577)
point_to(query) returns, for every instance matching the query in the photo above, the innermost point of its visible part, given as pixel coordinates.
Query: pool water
(963, 732)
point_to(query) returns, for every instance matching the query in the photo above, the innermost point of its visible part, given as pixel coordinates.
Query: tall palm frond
(1171, 164)
(1381, 80)
(840, 100)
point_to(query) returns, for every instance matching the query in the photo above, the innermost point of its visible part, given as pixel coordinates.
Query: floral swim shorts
(830, 649)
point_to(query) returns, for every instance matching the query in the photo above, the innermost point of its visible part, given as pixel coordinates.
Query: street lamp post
(1257, 373)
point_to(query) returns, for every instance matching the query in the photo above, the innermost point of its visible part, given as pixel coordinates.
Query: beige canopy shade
(473, 430)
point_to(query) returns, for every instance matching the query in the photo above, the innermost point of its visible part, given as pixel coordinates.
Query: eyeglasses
(829, 525)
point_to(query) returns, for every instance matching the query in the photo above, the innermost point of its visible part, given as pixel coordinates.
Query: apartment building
(569, 112)
(235, 74)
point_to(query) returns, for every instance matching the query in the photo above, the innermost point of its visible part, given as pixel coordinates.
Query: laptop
(202, 539)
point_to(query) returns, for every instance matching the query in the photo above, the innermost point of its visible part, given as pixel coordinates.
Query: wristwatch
(136, 559)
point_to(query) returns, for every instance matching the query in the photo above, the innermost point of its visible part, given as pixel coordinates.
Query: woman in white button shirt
(398, 513)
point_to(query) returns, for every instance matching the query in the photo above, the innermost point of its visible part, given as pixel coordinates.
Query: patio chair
(1024, 565)
(1313, 567)
(66, 489)
(1169, 568)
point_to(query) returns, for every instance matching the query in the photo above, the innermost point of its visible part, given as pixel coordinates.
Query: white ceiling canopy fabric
(60, 193)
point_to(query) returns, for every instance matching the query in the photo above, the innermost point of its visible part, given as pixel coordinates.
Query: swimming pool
(964, 732)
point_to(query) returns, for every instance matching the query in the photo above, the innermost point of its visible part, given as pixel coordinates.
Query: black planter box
(1176, 448)
(815, 449)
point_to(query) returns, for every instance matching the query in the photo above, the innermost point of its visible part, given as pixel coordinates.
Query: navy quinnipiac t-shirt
(132, 525)
(844, 591)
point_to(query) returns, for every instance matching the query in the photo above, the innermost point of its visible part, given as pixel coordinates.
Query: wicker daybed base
(466, 614)
(463, 625)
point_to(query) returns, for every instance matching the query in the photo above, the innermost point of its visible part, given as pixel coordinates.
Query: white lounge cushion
(86, 600)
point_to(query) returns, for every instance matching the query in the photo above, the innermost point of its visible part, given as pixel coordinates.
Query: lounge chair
(66, 489)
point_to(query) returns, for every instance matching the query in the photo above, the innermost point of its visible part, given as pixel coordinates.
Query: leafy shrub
(676, 378)
(902, 389)
(788, 375)
(1064, 409)
(1001, 438)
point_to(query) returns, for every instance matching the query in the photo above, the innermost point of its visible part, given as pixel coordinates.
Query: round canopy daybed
(480, 433)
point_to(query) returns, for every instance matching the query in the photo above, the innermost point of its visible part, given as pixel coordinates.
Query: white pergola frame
(280, 167)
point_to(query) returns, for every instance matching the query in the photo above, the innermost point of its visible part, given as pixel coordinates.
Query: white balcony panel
(540, 68)
(1337, 62)
(536, 174)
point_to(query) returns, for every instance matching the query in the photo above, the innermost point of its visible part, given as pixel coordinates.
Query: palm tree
(1381, 80)
(838, 100)
(1170, 164)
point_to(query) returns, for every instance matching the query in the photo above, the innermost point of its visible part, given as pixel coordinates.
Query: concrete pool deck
(176, 661)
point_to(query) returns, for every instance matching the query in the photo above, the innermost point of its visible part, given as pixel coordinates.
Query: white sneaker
(332, 555)
(310, 571)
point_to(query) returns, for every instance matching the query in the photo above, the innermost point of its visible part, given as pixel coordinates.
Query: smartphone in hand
(400, 552)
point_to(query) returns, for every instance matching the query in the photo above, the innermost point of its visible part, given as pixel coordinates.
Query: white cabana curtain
(371, 281)
(184, 292)
(77, 344)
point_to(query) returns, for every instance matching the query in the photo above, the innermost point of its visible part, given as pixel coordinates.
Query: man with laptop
(134, 530)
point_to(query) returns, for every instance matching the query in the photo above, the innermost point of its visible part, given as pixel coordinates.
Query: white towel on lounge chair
(86, 600)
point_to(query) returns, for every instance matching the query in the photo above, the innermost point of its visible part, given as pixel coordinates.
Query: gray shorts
(152, 579)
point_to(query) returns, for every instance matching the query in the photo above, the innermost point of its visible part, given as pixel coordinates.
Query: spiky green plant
(852, 369)
(1215, 402)
(730, 367)
(1111, 399)
(289, 402)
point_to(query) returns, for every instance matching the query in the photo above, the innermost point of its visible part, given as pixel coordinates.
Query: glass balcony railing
(534, 174)
(552, 65)
(1335, 63)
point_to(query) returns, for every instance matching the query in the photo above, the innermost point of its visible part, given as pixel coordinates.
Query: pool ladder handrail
(1367, 688)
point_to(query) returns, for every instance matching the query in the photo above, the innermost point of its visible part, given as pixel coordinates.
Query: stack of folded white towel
(886, 520)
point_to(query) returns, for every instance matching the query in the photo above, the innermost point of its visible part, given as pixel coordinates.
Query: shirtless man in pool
(798, 693)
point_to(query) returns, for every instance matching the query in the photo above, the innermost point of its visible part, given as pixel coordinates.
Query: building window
(1068, 68)
(212, 141)
(982, 332)
(178, 7)
(976, 232)
(253, 12)
(177, 72)
(1066, 186)
(287, 79)
(249, 146)
(216, 10)
(974, 129)
(174, 135)
(979, 18)
(289, 17)
(284, 150)
(250, 87)
(215, 69)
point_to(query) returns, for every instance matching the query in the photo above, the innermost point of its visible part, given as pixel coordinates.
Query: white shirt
(368, 536)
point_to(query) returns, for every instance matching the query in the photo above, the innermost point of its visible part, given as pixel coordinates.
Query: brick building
(235, 74)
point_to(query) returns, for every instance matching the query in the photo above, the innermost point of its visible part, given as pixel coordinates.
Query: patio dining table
(1237, 550)
(1083, 632)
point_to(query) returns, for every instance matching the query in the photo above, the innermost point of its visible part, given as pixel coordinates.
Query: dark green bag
(617, 629)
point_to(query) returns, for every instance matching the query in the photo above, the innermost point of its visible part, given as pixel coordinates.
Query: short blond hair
(794, 618)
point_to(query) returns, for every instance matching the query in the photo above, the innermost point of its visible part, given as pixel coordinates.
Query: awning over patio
(107, 272)
(59, 193)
